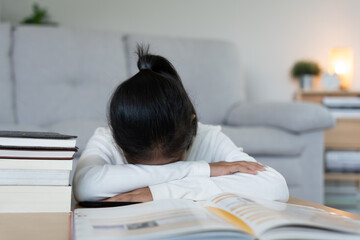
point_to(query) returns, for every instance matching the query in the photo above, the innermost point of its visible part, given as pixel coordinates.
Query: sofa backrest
(210, 71)
(65, 74)
(6, 85)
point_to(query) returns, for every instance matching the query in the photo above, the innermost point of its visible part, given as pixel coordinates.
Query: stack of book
(343, 107)
(35, 171)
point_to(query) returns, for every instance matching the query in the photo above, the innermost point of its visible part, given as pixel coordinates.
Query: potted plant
(305, 71)
(39, 16)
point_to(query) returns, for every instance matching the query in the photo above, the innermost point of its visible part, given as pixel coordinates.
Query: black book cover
(26, 148)
(42, 135)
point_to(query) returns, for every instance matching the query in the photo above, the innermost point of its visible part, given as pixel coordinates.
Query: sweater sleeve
(268, 184)
(98, 177)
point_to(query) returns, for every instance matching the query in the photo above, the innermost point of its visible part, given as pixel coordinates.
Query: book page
(156, 219)
(261, 215)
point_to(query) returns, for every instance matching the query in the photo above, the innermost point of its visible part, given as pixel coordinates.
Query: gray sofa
(60, 79)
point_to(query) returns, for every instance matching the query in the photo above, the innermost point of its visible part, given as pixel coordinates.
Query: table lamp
(342, 64)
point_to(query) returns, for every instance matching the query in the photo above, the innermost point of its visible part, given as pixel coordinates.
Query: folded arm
(267, 184)
(102, 171)
(95, 179)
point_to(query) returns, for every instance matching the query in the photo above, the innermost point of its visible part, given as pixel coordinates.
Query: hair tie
(145, 66)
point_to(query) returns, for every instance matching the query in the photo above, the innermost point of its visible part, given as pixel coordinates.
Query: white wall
(1, 9)
(270, 35)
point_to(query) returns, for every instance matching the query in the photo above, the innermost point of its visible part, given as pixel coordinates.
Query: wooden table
(36, 226)
(58, 226)
(299, 201)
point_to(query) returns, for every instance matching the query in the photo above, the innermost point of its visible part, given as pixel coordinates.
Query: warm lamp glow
(342, 64)
(340, 68)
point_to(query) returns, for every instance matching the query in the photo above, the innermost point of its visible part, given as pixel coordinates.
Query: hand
(138, 195)
(226, 168)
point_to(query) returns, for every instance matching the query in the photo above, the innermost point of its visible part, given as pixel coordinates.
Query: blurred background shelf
(343, 176)
(318, 95)
(341, 147)
(345, 136)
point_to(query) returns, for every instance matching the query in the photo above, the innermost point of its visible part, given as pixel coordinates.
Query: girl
(155, 148)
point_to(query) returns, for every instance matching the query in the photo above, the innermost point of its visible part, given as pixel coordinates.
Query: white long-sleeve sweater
(102, 171)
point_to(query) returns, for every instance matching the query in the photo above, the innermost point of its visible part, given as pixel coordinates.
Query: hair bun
(144, 58)
(156, 63)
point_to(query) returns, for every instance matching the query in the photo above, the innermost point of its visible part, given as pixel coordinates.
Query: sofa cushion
(265, 141)
(6, 85)
(209, 69)
(65, 74)
(293, 116)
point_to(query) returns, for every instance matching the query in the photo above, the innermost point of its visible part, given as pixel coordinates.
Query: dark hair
(151, 113)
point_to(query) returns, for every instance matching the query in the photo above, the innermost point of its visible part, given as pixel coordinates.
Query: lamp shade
(342, 64)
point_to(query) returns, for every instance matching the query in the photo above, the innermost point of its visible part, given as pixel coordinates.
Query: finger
(248, 162)
(257, 166)
(108, 200)
(244, 169)
(117, 198)
(254, 166)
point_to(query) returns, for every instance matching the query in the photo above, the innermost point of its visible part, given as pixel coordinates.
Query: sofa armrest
(295, 117)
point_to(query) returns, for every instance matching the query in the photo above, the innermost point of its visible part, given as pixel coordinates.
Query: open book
(225, 216)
